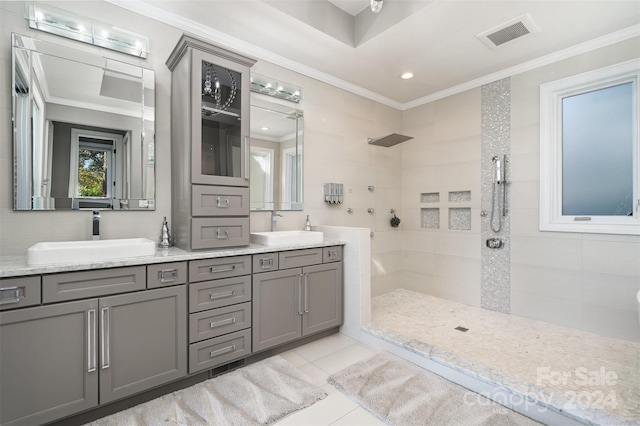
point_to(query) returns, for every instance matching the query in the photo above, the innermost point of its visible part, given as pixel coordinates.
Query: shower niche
(456, 207)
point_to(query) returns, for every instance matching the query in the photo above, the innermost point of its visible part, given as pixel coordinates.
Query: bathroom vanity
(73, 338)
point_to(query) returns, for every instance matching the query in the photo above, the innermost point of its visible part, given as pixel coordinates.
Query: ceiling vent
(508, 31)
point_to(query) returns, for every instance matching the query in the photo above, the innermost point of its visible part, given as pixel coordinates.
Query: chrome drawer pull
(104, 337)
(223, 203)
(227, 321)
(168, 275)
(266, 263)
(12, 295)
(214, 296)
(223, 268)
(92, 345)
(222, 351)
(222, 234)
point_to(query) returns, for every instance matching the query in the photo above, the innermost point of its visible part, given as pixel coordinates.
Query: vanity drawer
(166, 274)
(224, 267)
(298, 258)
(265, 262)
(220, 350)
(85, 284)
(219, 201)
(332, 254)
(211, 233)
(216, 322)
(218, 293)
(20, 292)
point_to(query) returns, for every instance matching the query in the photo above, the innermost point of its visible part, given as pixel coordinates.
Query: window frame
(551, 96)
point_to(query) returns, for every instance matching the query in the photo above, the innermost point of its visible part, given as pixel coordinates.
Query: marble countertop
(16, 266)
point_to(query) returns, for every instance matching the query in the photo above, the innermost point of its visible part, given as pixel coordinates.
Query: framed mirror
(276, 156)
(83, 130)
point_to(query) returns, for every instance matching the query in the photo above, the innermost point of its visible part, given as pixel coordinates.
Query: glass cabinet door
(221, 128)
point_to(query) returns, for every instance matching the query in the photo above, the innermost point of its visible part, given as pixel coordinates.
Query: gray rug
(400, 393)
(258, 394)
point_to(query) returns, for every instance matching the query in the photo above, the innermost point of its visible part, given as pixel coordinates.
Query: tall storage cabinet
(210, 89)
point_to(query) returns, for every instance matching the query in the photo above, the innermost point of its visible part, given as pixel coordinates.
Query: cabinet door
(143, 340)
(48, 362)
(322, 287)
(277, 308)
(220, 121)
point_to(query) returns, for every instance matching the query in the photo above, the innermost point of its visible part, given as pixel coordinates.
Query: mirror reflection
(276, 156)
(83, 130)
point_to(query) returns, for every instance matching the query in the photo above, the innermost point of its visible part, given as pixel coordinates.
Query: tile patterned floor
(595, 377)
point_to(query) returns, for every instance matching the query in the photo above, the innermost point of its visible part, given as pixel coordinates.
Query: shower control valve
(495, 243)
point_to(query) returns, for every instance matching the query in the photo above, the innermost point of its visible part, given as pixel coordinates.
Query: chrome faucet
(274, 220)
(96, 225)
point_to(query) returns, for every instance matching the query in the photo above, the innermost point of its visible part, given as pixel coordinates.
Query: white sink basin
(89, 251)
(277, 238)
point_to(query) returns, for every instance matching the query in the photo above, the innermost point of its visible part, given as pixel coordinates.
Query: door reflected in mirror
(276, 159)
(84, 128)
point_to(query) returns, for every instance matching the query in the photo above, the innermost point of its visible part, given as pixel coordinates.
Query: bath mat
(258, 394)
(399, 393)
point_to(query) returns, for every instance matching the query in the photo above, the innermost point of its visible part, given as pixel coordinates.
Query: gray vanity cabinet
(59, 359)
(292, 303)
(210, 97)
(48, 366)
(143, 341)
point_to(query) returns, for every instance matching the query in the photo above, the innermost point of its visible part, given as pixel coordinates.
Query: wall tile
(549, 309)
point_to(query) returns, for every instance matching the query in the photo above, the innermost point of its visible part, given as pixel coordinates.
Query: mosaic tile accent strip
(459, 196)
(430, 197)
(460, 219)
(496, 139)
(430, 218)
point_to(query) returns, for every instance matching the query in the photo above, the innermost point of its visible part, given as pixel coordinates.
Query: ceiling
(343, 43)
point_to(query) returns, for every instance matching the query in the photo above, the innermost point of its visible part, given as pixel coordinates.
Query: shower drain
(460, 328)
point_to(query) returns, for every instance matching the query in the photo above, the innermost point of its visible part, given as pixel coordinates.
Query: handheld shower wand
(499, 179)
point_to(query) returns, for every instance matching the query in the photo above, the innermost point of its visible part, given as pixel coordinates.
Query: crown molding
(227, 41)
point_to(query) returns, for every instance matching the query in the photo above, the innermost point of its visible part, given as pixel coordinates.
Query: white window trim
(551, 95)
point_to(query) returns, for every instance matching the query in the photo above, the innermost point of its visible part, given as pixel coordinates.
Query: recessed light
(407, 75)
(264, 128)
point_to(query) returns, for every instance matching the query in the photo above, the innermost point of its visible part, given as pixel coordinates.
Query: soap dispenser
(307, 225)
(165, 237)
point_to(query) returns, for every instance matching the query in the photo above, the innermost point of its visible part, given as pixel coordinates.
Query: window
(590, 153)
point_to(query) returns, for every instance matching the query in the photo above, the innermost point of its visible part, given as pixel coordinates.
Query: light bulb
(407, 75)
(376, 6)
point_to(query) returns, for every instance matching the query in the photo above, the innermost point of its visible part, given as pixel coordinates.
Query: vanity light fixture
(376, 6)
(277, 89)
(66, 24)
(407, 75)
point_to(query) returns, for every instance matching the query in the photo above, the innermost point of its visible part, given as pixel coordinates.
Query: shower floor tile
(592, 377)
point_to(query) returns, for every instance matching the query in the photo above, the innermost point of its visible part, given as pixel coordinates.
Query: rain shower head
(389, 140)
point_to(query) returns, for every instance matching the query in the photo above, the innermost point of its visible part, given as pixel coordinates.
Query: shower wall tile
(549, 253)
(612, 258)
(563, 312)
(386, 242)
(457, 150)
(385, 283)
(523, 167)
(458, 291)
(386, 263)
(613, 322)
(419, 241)
(422, 178)
(419, 282)
(418, 262)
(457, 268)
(457, 244)
(613, 291)
(550, 282)
(525, 195)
